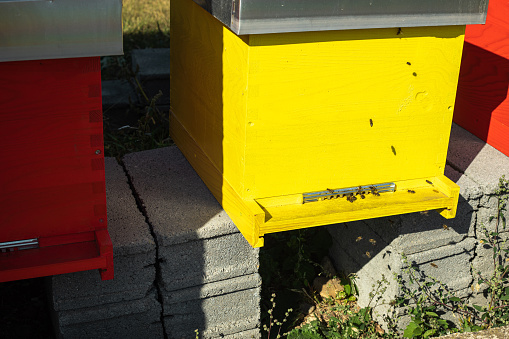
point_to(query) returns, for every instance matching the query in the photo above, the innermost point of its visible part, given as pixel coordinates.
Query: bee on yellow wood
(372, 241)
(359, 238)
(368, 254)
(429, 182)
(445, 227)
(436, 191)
(411, 191)
(434, 265)
(374, 191)
(371, 122)
(360, 192)
(351, 198)
(330, 190)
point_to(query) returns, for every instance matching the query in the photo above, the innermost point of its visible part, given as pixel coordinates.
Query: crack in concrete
(157, 263)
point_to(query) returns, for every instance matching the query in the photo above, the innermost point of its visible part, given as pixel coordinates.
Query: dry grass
(146, 16)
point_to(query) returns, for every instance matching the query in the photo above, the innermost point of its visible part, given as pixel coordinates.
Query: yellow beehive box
(270, 120)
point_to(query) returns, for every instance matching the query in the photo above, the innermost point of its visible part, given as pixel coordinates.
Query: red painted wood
(52, 184)
(482, 103)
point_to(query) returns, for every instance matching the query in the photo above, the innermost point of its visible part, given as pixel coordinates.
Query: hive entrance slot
(351, 193)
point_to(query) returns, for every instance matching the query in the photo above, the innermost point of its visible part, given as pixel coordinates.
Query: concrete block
(449, 264)
(132, 319)
(129, 232)
(178, 204)
(473, 157)
(216, 316)
(133, 249)
(152, 67)
(134, 277)
(483, 260)
(249, 334)
(198, 262)
(211, 290)
(117, 98)
(487, 215)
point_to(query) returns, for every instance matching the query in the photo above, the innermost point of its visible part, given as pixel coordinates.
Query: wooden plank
(482, 104)
(422, 197)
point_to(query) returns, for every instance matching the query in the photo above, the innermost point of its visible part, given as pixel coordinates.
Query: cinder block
(178, 204)
(152, 67)
(198, 243)
(451, 264)
(117, 97)
(210, 290)
(132, 319)
(249, 334)
(215, 316)
(482, 163)
(198, 262)
(134, 254)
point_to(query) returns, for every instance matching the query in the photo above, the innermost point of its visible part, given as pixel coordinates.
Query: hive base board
(59, 255)
(256, 217)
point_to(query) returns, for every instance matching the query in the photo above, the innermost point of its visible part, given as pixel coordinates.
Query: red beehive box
(52, 186)
(482, 101)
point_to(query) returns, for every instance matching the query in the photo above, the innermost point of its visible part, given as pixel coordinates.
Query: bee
(424, 212)
(360, 192)
(429, 182)
(351, 198)
(368, 254)
(359, 238)
(445, 227)
(371, 122)
(390, 221)
(411, 191)
(372, 241)
(434, 265)
(399, 31)
(408, 63)
(436, 191)
(374, 191)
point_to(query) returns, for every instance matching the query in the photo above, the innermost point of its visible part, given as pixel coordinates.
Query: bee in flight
(445, 227)
(424, 212)
(368, 254)
(434, 265)
(372, 241)
(359, 238)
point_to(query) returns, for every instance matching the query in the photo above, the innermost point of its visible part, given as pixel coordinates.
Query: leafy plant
(431, 299)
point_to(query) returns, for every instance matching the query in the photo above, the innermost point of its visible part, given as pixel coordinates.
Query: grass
(146, 24)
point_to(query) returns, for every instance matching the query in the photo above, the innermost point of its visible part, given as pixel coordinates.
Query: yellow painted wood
(277, 115)
(247, 215)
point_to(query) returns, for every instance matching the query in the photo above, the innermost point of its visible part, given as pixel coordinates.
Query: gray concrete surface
(180, 263)
(152, 68)
(448, 250)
